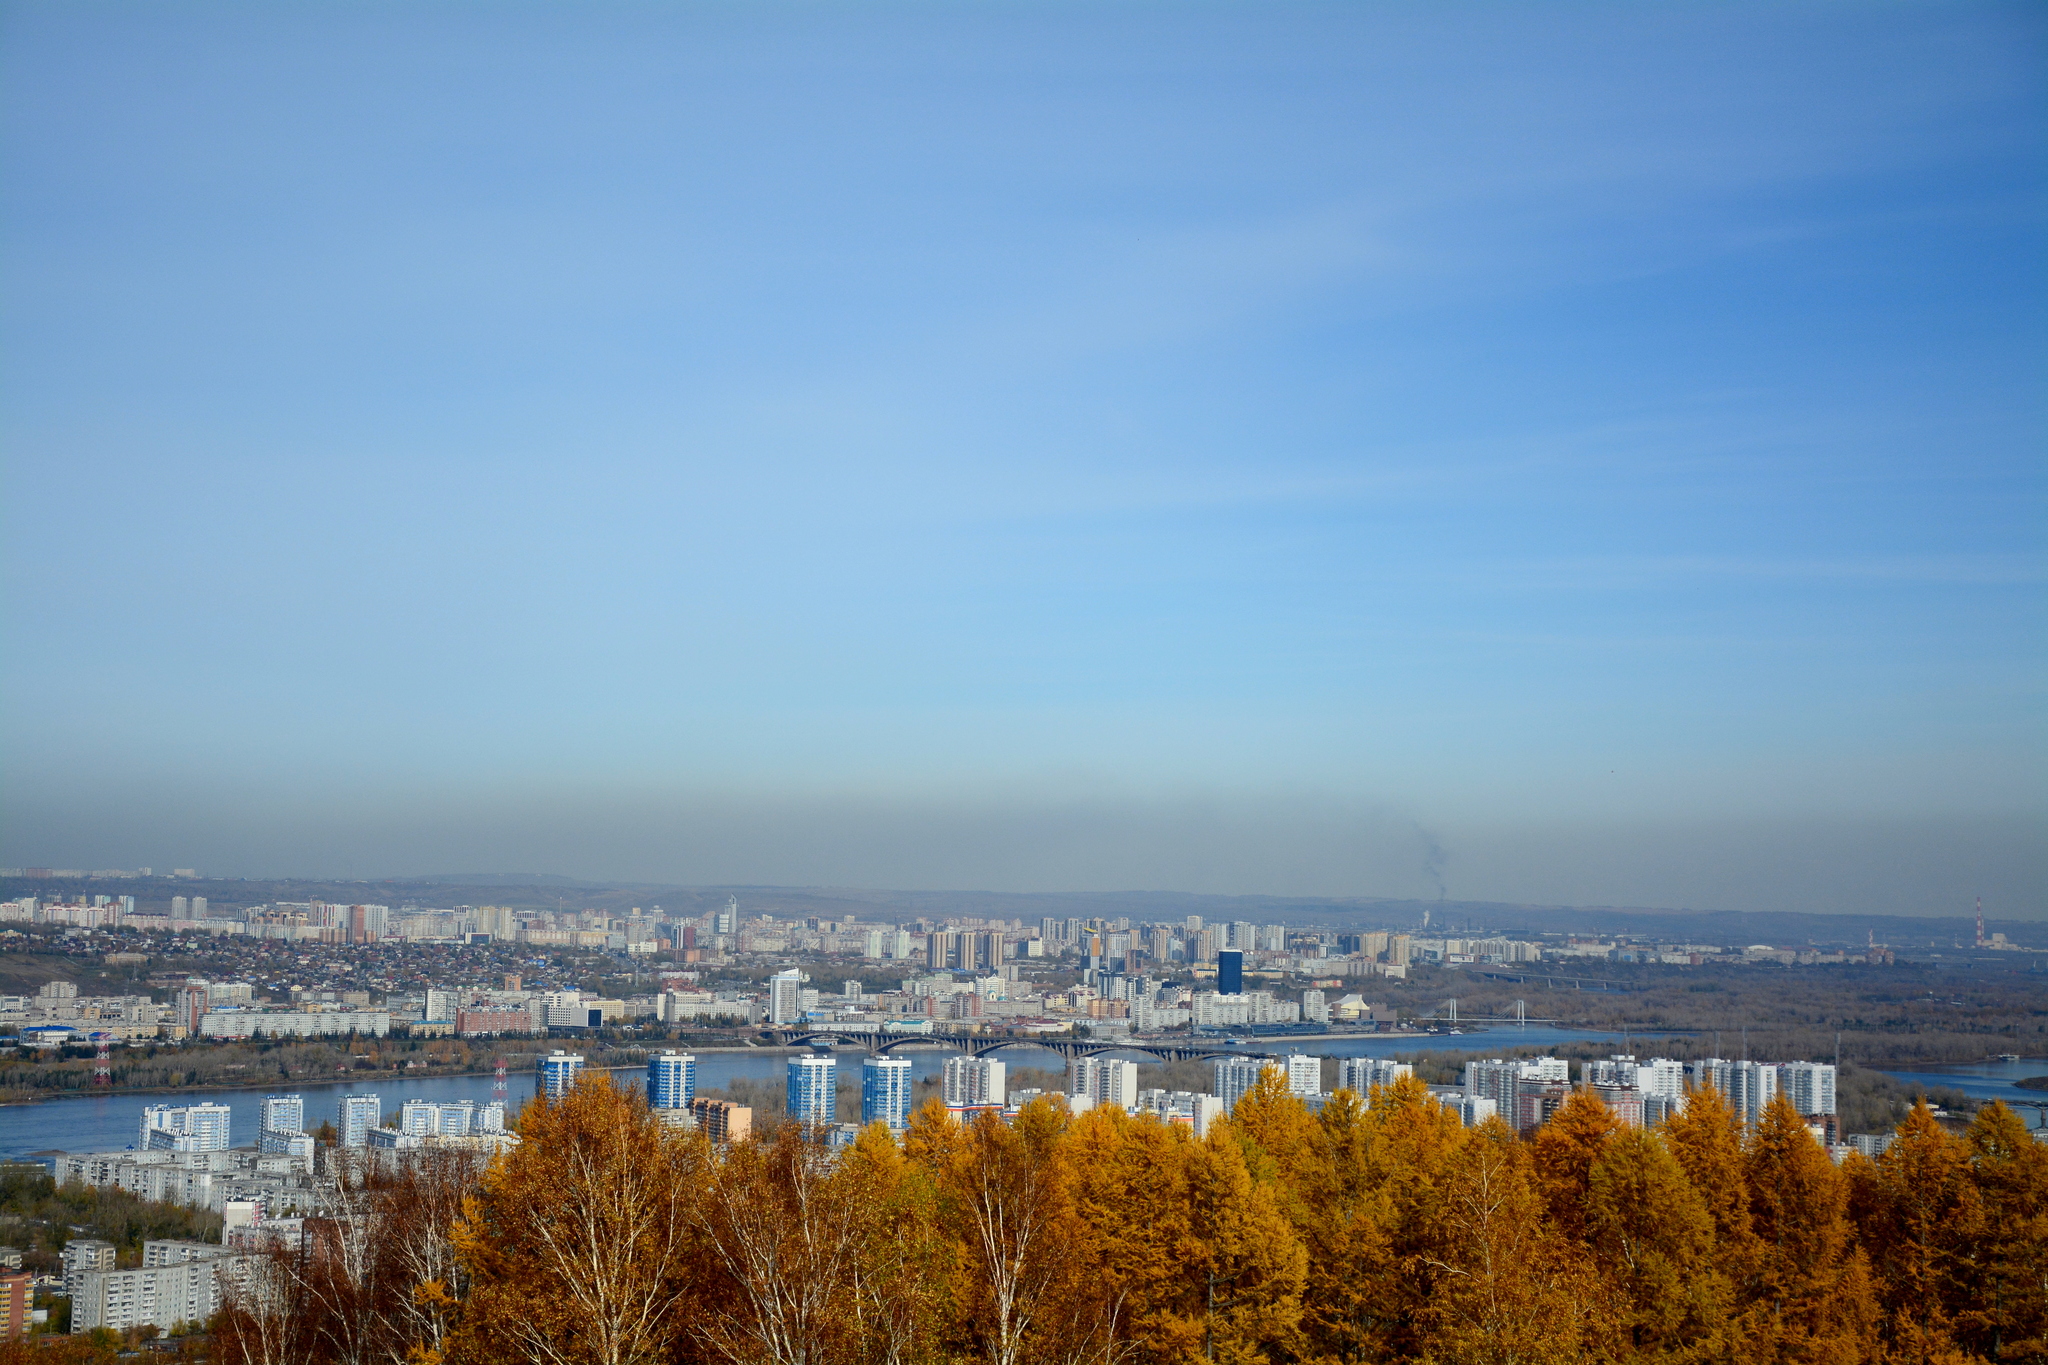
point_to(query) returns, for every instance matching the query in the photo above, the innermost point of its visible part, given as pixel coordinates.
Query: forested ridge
(1361, 1234)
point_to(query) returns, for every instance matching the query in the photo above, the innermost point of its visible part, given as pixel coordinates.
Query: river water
(1982, 1081)
(110, 1122)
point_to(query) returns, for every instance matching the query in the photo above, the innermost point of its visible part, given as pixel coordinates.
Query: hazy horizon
(1584, 455)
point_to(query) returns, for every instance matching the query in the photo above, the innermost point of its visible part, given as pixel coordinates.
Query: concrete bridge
(977, 1045)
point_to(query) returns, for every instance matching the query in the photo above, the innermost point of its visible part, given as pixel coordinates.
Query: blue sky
(1583, 453)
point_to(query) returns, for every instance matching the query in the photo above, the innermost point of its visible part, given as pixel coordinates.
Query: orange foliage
(1378, 1230)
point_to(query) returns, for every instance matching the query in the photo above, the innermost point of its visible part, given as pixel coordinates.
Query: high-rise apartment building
(1104, 1080)
(1397, 950)
(722, 1120)
(970, 1082)
(1662, 1076)
(1236, 1075)
(786, 997)
(1505, 1082)
(1471, 1110)
(813, 1090)
(1360, 1074)
(1810, 1086)
(185, 1128)
(283, 1114)
(885, 1086)
(1315, 1007)
(176, 1282)
(1751, 1088)
(15, 1298)
(355, 1116)
(1304, 1074)
(1710, 1071)
(1492, 1080)
(557, 1073)
(82, 1254)
(671, 1080)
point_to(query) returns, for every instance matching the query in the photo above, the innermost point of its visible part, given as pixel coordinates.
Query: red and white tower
(1980, 921)
(498, 1090)
(102, 1067)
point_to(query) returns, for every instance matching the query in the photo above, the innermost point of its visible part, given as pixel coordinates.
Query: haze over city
(1588, 454)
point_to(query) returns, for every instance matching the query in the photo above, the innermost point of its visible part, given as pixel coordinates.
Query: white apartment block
(1190, 1107)
(177, 1282)
(1104, 1080)
(294, 1024)
(185, 1128)
(1236, 1075)
(1809, 1085)
(968, 1081)
(1236, 1011)
(1360, 1074)
(1304, 1074)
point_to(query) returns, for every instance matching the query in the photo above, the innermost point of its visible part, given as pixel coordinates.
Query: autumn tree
(1706, 1141)
(347, 1288)
(577, 1241)
(1813, 1299)
(1505, 1288)
(1922, 1222)
(419, 1206)
(1005, 1192)
(262, 1319)
(787, 1231)
(1192, 1256)
(1565, 1151)
(2008, 1317)
(898, 1287)
(1653, 1241)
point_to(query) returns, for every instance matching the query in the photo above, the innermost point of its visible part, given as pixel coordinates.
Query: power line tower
(103, 1067)
(498, 1090)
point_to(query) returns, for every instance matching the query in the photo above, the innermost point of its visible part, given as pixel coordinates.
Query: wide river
(110, 1122)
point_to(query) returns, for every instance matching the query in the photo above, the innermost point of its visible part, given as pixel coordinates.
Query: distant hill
(498, 879)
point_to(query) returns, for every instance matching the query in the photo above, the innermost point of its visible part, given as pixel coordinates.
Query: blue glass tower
(1230, 972)
(671, 1080)
(813, 1089)
(885, 1092)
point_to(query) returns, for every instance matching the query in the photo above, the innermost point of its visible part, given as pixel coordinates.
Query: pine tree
(1706, 1141)
(1352, 1301)
(1247, 1260)
(1813, 1295)
(1566, 1149)
(1922, 1221)
(2009, 1318)
(1504, 1288)
(1653, 1241)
